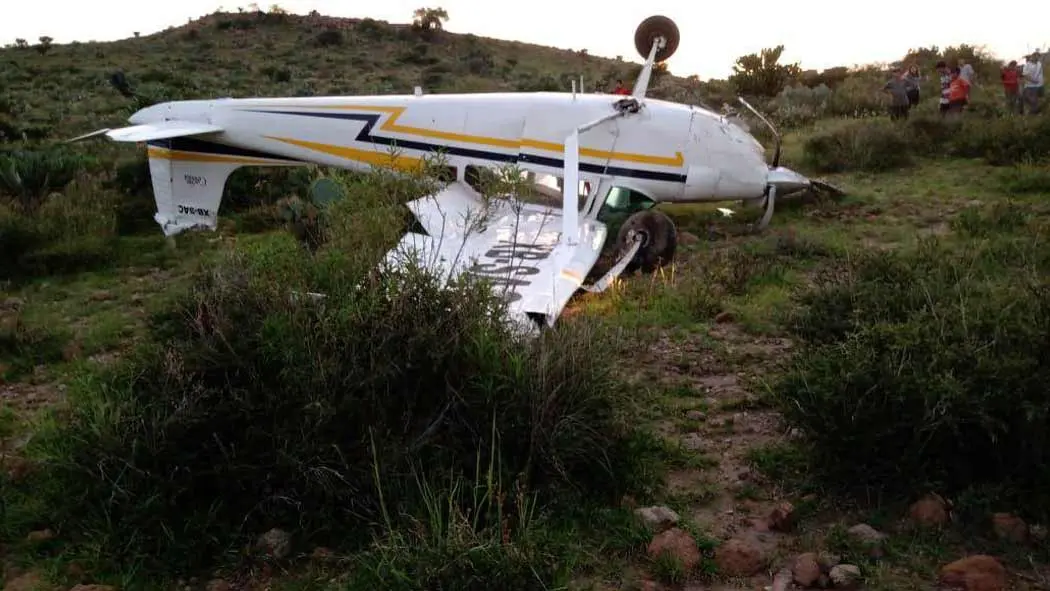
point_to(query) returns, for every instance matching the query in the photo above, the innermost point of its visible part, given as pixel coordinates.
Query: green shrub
(858, 96)
(877, 145)
(873, 146)
(29, 176)
(23, 347)
(248, 408)
(1006, 140)
(928, 368)
(1024, 179)
(70, 232)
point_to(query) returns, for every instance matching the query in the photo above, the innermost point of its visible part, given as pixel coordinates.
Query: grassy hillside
(65, 90)
(855, 396)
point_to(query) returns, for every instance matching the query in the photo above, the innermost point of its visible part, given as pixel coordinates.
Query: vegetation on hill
(188, 416)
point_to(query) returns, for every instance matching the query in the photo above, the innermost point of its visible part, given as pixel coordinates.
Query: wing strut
(570, 215)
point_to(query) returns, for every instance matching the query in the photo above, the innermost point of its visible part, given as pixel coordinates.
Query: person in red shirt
(1011, 77)
(620, 89)
(958, 91)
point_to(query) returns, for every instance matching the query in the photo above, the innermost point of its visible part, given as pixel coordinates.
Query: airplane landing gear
(658, 237)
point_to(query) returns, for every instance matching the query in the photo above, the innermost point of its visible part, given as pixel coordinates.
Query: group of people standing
(1023, 87)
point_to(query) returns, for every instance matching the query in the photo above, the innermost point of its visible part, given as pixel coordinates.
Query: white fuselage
(667, 151)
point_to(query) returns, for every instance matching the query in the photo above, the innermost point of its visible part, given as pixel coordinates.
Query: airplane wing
(152, 131)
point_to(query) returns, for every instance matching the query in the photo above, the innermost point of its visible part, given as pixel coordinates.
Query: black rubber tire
(649, 30)
(659, 242)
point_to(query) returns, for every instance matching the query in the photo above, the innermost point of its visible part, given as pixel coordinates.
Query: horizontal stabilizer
(153, 131)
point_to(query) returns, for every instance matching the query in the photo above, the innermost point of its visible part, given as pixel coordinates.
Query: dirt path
(713, 412)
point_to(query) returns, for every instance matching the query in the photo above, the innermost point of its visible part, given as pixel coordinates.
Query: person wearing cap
(1032, 73)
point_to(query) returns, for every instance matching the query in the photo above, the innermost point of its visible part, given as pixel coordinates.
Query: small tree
(21, 43)
(761, 74)
(429, 19)
(45, 44)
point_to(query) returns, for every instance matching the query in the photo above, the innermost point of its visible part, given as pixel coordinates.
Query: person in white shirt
(1032, 74)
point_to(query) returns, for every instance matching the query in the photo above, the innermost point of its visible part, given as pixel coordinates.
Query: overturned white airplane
(632, 151)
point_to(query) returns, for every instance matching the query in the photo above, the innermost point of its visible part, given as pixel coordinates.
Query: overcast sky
(818, 33)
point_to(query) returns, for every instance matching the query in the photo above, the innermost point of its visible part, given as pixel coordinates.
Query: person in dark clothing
(898, 87)
(915, 78)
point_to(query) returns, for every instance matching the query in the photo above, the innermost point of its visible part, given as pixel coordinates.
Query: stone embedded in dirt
(102, 295)
(649, 585)
(276, 543)
(76, 571)
(929, 511)
(979, 572)
(828, 561)
(1009, 527)
(12, 304)
(16, 467)
(679, 544)
(322, 554)
(845, 576)
(657, 519)
(695, 415)
(217, 585)
(806, 569)
(868, 537)
(687, 238)
(39, 536)
(72, 351)
(30, 581)
(693, 442)
(782, 518)
(782, 580)
(724, 316)
(738, 558)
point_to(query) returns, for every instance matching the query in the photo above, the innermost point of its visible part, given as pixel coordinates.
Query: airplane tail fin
(188, 173)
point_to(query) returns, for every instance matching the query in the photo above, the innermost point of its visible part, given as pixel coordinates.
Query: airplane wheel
(659, 240)
(649, 30)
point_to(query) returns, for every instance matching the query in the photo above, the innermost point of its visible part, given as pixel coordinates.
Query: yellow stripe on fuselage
(398, 161)
(166, 154)
(391, 125)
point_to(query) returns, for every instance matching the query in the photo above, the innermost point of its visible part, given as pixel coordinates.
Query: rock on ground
(929, 511)
(30, 581)
(677, 543)
(870, 538)
(738, 558)
(806, 569)
(979, 572)
(1010, 527)
(782, 518)
(657, 519)
(845, 576)
(276, 543)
